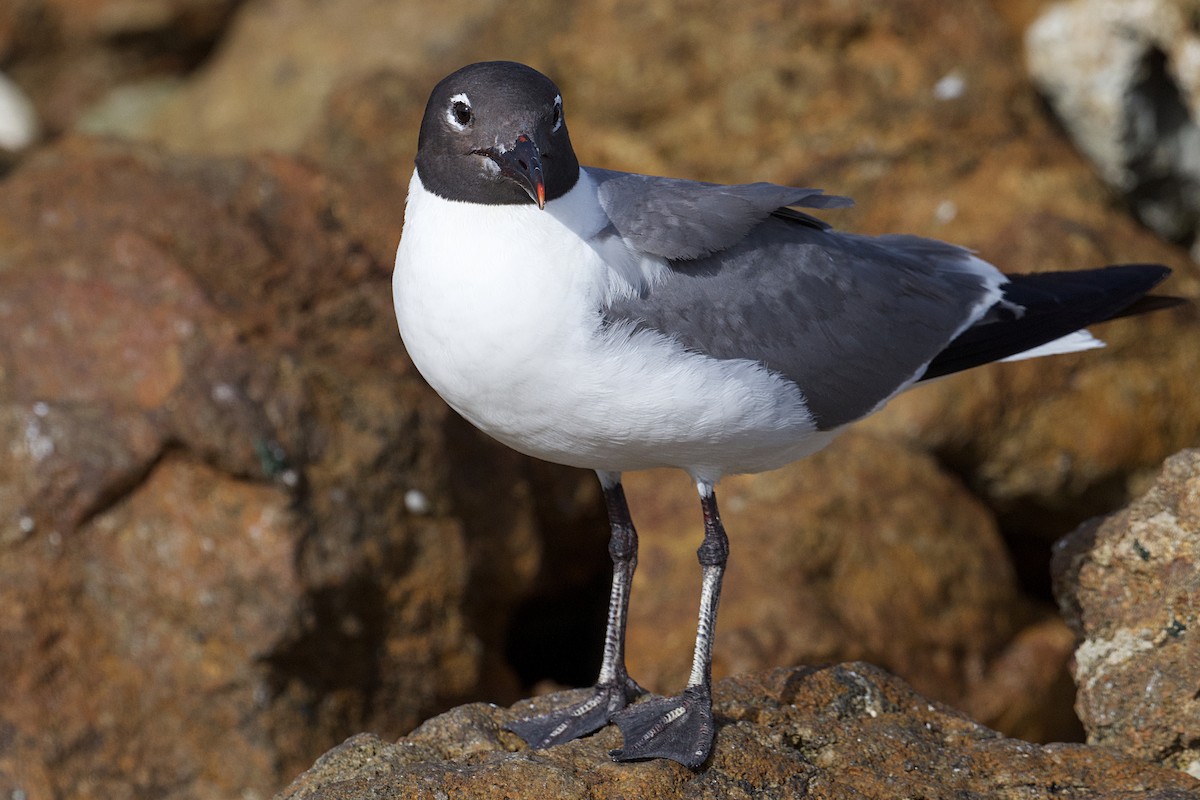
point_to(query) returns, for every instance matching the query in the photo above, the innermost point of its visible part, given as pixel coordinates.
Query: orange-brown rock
(846, 731)
(231, 525)
(1129, 586)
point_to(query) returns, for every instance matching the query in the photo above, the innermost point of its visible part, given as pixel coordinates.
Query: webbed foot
(679, 728)
(588, 716)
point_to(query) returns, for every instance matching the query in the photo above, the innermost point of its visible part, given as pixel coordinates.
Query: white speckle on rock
(945, 212)
(416, 502)
(37, 443)
(1094, 656)
(223, 393)
(951, 86)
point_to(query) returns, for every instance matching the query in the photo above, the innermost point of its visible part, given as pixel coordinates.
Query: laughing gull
(620, 322)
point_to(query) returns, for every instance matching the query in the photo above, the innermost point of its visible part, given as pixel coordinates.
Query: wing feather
(682, 220)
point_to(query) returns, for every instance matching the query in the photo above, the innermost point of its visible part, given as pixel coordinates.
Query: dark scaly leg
(681, 728)
(614, 688)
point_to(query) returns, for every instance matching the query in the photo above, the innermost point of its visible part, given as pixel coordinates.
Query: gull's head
(494, 133)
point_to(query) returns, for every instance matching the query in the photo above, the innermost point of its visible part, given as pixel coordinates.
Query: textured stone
(357, 142)
(1049, 442)
(847, 731)
(1124, 79)
(232, 528)
(1129, 585)
(144, 647)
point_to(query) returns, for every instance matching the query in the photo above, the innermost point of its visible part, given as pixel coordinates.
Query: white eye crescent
(558, 113)
(459, 113)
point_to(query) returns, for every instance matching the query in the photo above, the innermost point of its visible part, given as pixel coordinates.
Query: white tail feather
(1072, 342)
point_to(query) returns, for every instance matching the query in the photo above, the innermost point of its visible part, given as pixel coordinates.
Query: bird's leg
(614, 688)
(681, 728)
(622, 548)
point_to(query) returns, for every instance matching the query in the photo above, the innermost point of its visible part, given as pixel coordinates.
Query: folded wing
(851, 320)
(681, 220)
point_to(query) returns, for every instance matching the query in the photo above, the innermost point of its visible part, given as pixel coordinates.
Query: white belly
(499, 307)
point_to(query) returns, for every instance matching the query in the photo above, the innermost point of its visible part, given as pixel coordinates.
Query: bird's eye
(557, 119)
(460, 114)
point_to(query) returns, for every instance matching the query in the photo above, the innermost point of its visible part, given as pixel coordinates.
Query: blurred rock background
(235, 525)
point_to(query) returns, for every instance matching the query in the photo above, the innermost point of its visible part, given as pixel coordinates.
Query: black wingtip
(1129, 276)
(1053, 305)
(1159, 272)
(1150, 303)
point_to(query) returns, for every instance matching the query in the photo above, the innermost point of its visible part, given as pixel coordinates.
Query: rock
(128, 106)
(235, 527)
(1123, 78)
(282, 60)
(18, 120)
(1129, 585)
(846, 731)
(1026, 690)
(1048, 444)
(357, 143)
(869, 551)
(143, 641)
(67, 54)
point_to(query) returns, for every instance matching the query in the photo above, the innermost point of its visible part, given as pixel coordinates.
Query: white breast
(500, 309)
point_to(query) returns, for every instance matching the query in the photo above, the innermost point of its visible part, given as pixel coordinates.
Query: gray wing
(850, 319)
(680, 219)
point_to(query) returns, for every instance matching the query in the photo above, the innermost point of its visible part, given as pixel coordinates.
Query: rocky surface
(70, 54)
(228, 529)
(1124, 79)
(847, 731)
(1129, 585)
(288, 58)
(235, 527)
